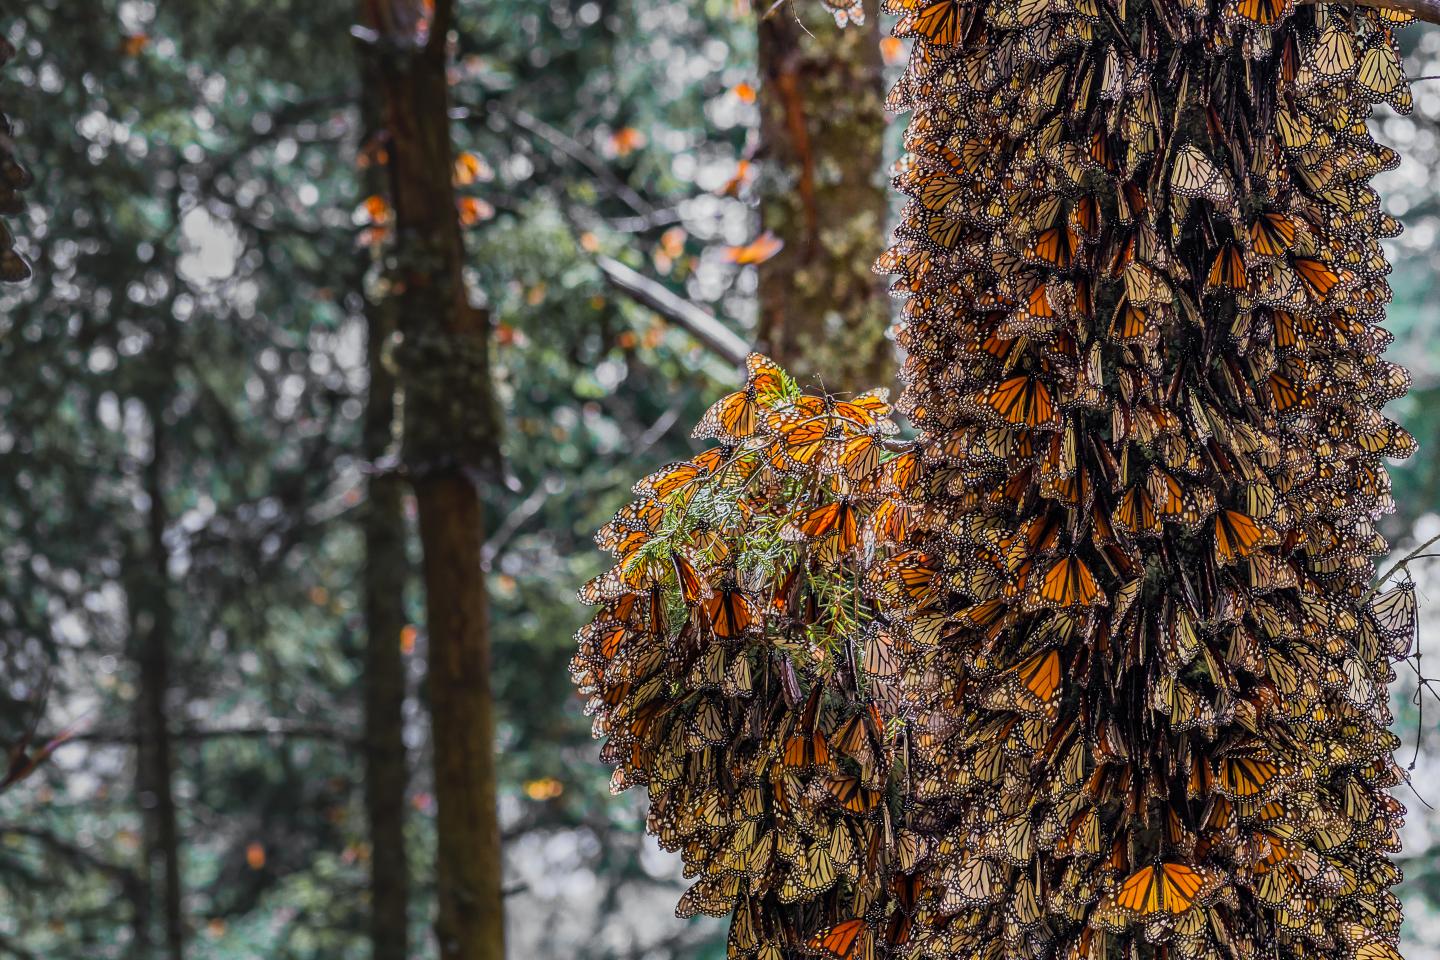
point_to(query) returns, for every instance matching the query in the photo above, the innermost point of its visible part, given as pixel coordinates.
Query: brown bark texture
(450, 443)
(386, 573)
(822, 190)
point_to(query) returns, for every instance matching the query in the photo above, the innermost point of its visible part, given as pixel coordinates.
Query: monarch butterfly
(1245, 776)
(812, 875)
(1395, 617)
(940, 22)
(1136, 513)
(798, 443)
(972, 882)
(1260, 13)
(1335, 52)
(730, 613)
(1286, 393)
(1055, 246)
(1295, 128)
(1238, 535)
(1169, 888)
(865, 411)
(1272, 234)
(838, 518)
(1227, 272)
(692, 586)
(1023, 400)
(1195, 176)
(1382, 74)
(668, 479)
(852, 795)
(1130, 323)
(858, 457)
(1101, 153)
(1069, 583)
(808, 747)
(1144, 286)
(853, 736)
(737, 415)
(712, 896)
(847, 940)
(1176, 502)
(1319, 278)
(1031, 687)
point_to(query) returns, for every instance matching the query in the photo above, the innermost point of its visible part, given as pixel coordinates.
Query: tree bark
(451, 442)
(387, 571)
(822, 124)
(152, 621)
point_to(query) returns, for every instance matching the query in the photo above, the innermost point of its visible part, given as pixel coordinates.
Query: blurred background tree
(204, 538)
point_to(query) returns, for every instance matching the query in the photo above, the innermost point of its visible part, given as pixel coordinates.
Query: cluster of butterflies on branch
(14, 178)
(1093, 667)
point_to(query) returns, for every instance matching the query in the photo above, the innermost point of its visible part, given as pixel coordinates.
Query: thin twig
(1398, 565)
(549, 485)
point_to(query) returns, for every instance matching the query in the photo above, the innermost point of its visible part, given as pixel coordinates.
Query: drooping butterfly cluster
(725, 646)
(13, 179)
(1093, 668)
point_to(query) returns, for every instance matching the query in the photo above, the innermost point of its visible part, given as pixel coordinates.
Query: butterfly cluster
(722, 666)
(13, 179)
(1093, 668)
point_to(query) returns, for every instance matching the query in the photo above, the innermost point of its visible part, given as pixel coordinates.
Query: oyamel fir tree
(1093, 668)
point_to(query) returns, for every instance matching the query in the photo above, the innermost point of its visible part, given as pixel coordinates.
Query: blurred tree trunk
(151, 621)
(387, 570)
(822, 192)
(451, 443)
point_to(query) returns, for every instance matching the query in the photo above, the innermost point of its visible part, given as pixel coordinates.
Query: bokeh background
(181, 395)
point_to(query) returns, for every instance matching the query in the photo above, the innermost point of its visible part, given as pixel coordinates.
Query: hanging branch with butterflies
(1093, 669)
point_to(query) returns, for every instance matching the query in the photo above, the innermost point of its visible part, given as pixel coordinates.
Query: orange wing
(1238, 536)
(1319, 279)
(1022, 400)
(1272, 234)
(940, 22)
(840, 941)
(1228, 270)
(731, 613)
(1069, 583)
(1163, 888)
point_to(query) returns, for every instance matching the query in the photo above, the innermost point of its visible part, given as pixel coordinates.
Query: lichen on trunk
(821, 192)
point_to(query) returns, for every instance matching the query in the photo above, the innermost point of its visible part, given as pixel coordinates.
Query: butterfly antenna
(796, 14)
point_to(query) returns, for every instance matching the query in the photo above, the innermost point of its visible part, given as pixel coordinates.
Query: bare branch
(693, 319)
(261, 732)
(1401, 564)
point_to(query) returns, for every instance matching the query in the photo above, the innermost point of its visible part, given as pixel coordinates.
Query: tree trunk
(387, 571)
(822, 192)
(151, 631)
(451, 441)
(470, 925)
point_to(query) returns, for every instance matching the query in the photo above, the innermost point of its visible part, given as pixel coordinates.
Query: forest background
(210, 577)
